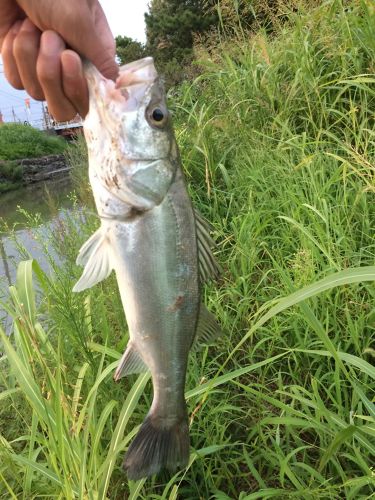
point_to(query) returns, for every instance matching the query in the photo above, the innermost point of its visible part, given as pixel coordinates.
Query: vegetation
(18, 142)
(253, 15)
(170, 28)
(128, 50)
(10, 175)
(22, 141)
(277, 139)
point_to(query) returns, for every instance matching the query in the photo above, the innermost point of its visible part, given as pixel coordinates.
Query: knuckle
(47, 74)
(73, 92)
(21, 46)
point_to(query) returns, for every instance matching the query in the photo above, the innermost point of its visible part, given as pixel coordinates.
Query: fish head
(130, 115)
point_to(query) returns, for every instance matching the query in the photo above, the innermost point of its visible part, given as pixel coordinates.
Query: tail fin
(156, 447)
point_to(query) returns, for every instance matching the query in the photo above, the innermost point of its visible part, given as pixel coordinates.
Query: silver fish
(158, 246)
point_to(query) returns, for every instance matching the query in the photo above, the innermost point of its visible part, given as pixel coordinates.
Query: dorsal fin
(208, 266)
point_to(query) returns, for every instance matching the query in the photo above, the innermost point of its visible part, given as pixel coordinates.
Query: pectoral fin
(131, 362)
(95, 256)
(208, 329)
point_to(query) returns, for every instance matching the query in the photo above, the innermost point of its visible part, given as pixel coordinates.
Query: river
(37, 200)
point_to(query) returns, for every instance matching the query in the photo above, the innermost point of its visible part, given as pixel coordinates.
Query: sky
(125, 17)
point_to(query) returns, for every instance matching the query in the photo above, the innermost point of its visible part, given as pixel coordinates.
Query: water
(37, 200)
(33, 199)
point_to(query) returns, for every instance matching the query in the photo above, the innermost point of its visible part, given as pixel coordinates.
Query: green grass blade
(340, 438)
(26, 381)
(349, 276)
(126, 412)
(223, 379)
(24, 285)
(5, 394)
(350, 359)
(103, 375)
(47, 473)
(78, 387)
(10, 491)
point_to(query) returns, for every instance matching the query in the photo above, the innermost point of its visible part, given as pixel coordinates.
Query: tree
(128, 50)
(170, 28)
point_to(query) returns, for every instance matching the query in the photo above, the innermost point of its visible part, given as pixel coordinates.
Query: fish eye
(157, 115)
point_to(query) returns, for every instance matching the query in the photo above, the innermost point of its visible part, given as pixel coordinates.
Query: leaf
(8, 393)
(266, 493)
(51, 476)
(103, 349)
(99, 427)
(352, 360)
(354, 275)
(78, 388)
(114, 449)
(135, 488)
(340, 438)
(83, 413)
(24, 285)
(215, 382)
(26, 381)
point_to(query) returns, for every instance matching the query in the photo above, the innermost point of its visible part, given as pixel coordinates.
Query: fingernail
(16, 27)
(51, 44)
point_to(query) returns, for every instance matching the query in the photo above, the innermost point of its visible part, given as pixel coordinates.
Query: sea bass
(158, 246)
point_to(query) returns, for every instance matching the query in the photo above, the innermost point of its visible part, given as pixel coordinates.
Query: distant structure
(68, 129)
(1, 118)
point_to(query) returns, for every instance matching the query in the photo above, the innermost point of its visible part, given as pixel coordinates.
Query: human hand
(34, 35)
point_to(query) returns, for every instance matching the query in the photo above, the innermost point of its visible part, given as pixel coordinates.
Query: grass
(22, 141)
(277, 139)
(10, 176)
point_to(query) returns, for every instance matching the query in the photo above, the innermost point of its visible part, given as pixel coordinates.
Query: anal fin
(131, 362)
(208, 329)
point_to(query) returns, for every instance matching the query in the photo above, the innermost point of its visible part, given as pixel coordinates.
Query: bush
(22, 141)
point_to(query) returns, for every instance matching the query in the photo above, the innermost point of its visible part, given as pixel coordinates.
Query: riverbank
(28, 155)
(15, 174)
(28, 216)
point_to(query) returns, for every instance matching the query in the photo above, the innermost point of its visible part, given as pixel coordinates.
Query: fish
(158, 245)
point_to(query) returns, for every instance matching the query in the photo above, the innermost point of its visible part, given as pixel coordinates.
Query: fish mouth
(136, 73)
(131, 85)
(134, 80)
